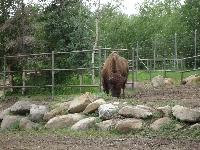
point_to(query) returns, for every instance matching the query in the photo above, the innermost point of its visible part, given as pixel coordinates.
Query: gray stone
(26, 124)
(21, 107)
(128, 125)
(9, 120)
(158, 124)
(185, 114)
(79, 104)
(106, 111)
(84, 124)
(158, 81)
(63, 121)
(194, 126)
(49, 115)
(138, 111)
(166, 111)
(3, 113)
(105, 125)
(137, 85)
(37, 112)
(92, 107)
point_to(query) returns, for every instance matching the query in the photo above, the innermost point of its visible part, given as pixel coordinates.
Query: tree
(17, 34)
(66, 27)
(190, 16)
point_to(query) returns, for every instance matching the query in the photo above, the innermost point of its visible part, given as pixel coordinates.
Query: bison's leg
(124, 86)
(105, 87)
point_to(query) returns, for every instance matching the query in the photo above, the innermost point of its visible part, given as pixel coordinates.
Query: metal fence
(101, 53)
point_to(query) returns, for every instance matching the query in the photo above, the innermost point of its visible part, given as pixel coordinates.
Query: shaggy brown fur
(114, 74)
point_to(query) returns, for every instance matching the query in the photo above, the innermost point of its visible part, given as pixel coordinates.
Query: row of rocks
(119, 115)
(159, 80)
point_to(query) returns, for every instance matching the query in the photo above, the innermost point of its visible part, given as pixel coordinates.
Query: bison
(114, 74)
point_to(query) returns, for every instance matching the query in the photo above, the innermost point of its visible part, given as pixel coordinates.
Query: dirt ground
(188, 96)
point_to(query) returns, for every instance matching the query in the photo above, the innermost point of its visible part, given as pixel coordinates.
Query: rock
(93, 106)
(137, 85)
(105, 125)
(193, 81)
(37, 112)
(9, 120)
(106, 111)
(127, 125)
(160, 123)
(119, 104)
(177, 127)
(84, 124)
(1, 93)
(194, 126)
(169, 81)
(56, 111)
(166, 111)
(26, 124)
(185, 114)
(189, 78)
(79, 104)
(3, 113)
(21, 107)
(63, 121)
(158, 81)
(138, 111)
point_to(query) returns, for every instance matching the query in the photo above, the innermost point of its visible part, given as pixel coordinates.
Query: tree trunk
(96, 40)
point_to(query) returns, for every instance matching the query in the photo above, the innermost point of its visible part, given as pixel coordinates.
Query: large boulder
(9, 120)
(158, 124)
(195, 126)
(169, 81)
(106, 125)
(21, 107)
(138, 111)
(193, 81)
(158, 81)
(137, 85)
(63, 106)
(191, 77)
(63, 121)
(166, 111)
(3, 113)
(26, 124)
(84, 124)
(128, 125)
(92, 107)
(79, 104)
(37, 112)
(185, 114)
(106, 111)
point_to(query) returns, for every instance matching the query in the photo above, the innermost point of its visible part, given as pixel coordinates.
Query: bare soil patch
(188, 96)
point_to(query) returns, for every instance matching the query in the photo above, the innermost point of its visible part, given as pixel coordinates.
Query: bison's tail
(114, 65)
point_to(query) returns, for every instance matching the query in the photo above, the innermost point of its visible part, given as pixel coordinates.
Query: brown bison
(114, 73)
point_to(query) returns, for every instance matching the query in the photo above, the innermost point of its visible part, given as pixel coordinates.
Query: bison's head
(116, 82)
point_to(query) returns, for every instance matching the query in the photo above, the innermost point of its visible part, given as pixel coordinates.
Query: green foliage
(65, 26)
(94, 114)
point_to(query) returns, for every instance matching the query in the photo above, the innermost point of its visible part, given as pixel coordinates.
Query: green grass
(144, 76)
(167, 131)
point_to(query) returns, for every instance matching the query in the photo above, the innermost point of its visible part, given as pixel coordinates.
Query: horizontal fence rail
(98, 52)
(134, 65)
